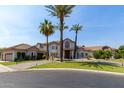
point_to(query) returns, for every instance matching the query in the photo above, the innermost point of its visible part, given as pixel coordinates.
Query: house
(68, 49)
(11, 53)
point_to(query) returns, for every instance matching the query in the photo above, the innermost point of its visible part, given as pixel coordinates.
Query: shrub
(102, 54)
(18, 55)
(44, 57)
(27, 57)
(23, 55)
(119, 53)
(39, 56)
(97, 54)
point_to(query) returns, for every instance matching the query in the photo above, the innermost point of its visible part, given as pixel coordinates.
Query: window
(82, 54)
(86, 54)
(41, 46)
(67, 44)
(54, 47)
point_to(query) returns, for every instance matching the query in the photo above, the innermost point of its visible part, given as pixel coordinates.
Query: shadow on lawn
(100, 64)
(97, 65)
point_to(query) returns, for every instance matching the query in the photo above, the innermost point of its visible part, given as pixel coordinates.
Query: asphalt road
(60, 79)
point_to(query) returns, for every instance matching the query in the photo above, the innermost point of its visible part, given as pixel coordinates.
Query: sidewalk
(23, 66)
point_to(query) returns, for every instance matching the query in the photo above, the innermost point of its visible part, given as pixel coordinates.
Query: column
(63, 54)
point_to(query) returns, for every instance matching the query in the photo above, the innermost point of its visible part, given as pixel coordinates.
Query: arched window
(67, 44)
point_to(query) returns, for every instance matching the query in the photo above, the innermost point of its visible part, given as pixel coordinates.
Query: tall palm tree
(76, 28)
(47, 29)
(60, 11)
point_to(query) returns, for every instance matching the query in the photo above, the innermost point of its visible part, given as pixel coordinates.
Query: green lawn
(9, 63)
(117, 60)
(83, 65)
(13, 63)
(111, 60)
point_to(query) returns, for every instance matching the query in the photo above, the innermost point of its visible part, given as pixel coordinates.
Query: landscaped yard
(13, 63)
(83, 65)
(9, 63)
(110, 60)
(117, 60)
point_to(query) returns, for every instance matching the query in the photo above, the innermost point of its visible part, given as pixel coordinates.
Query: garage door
(8, 56)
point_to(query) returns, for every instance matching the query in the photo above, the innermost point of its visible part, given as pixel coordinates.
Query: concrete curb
(73, 69)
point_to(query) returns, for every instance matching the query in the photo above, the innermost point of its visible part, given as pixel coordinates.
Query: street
(60, 79)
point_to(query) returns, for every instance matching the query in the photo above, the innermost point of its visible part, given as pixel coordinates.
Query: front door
(67, 54)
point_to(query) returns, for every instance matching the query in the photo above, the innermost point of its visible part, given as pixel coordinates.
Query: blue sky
(102, 25)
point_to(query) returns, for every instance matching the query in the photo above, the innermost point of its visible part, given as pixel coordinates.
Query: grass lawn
(83, 65)
(117, 60)
(9, 63)
(13, 63)
(111, 60)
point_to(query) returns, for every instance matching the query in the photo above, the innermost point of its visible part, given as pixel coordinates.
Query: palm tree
(60, 11)
(76, 28)
(46, 28)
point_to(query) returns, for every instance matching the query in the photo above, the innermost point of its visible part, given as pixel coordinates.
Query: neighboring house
(10, 54)
(68, 49)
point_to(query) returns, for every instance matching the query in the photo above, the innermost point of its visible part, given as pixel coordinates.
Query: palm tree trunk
(61, 38)
(75, 46)
(47, 48)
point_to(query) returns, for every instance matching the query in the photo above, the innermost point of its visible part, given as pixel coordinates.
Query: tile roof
(19, 47)
(94, 48)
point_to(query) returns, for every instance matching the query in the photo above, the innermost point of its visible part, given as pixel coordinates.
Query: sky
(102, 25)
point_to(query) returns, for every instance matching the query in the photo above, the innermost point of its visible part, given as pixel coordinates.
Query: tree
(47, 29)
(97, 54)
(108, 54)
(60, 11)
(121, 47)
(76, 28)
(119, 53)
(102, 54)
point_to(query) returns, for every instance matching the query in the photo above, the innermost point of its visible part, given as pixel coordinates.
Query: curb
(73, 69)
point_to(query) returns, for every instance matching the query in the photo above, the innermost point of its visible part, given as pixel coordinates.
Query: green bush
(27, 57)
(44, 57)
(119, 53)
(41, 56)
(102, 54)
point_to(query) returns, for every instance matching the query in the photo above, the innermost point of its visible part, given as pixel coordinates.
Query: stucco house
(68, 49)
(9, 54)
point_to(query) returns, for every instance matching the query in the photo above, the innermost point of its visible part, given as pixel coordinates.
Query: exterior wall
(71, 44)
(55, 51)
(14, 54)
(3, 54)
(42, 48)
(80, 53)
(84, 54)
(29, 53)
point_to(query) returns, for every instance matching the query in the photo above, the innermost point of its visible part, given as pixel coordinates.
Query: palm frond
(46, 28)
(76, 28)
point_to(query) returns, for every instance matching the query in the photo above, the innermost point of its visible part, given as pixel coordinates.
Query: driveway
(23, 66)
(5, 69)
(60, 79)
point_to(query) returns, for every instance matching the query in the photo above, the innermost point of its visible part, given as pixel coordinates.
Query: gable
(33, 48)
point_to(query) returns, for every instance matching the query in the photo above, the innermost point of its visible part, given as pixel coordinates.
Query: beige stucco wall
(5, 52)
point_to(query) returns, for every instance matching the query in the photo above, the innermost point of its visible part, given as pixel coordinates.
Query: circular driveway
(60, 79)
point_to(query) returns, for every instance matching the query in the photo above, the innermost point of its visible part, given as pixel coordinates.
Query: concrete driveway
(24, 66)
(5, 69)
(60, 79)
